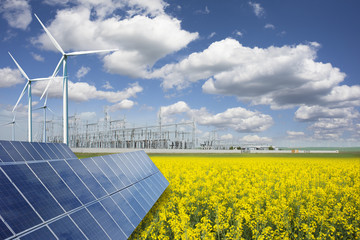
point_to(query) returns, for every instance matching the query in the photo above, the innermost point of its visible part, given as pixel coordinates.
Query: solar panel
(47, 193)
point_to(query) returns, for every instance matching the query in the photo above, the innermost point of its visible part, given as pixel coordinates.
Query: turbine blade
(52, 77)
(21, 70)
(38, 108)
(21, 95)
(51, 110)
(90, 52)
(56, 44)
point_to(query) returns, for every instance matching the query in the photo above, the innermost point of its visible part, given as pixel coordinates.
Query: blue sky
(284, 73)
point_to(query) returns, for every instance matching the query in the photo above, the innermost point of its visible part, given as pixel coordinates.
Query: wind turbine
(12, 123)
(28, 87)
(44, 107)
(65, 77)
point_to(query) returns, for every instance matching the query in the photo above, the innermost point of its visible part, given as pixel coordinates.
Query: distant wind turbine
(65, 76)
(45, 107)
(28, 87)
(12, 123)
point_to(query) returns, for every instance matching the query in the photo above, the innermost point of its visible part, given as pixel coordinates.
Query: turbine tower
(28, 87)
(63, 60)
(44, 107)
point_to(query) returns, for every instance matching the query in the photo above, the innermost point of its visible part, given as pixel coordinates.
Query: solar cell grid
(65, 228)
(40, 233)
(88, 225)
(73, 181)
(14, 209)
(47, 193)
(98, 175)
(34, 191)
(55, 185)
(4, 230)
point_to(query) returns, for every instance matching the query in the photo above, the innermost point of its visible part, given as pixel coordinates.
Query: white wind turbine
(65, 77)
(45, 107)
(28, 87)
(12, 123)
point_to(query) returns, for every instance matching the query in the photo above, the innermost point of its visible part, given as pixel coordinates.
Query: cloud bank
(238, 119)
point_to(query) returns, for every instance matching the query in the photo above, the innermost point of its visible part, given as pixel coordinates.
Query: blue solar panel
(4, 230)
(33, 190)
(47, 193)
(40, 233)
(65, 228)
(87, 178)
(88, 225)
(73, 181)
(106, 221)
(55, 185)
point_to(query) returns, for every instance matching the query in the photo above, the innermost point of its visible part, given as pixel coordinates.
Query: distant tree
(238, 148)
(231, 148)
(271, 148)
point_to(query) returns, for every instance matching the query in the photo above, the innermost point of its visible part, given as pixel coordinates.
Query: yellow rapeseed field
(218, 197)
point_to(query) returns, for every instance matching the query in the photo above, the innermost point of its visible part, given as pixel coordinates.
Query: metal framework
(107, 133)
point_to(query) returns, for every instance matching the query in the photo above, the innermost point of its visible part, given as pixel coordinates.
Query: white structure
(63, 60)
(28, 87)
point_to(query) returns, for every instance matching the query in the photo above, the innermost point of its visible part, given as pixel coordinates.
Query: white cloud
(313, 113)
(255, 139)
(258, 9)
(295, 134)
(240, 34)
(212, 35)
(37, 57)
(141, 40)
(332, 128)
(82, 91)
(227, 137)
(124, 104)
(16, 12)
(87, 116)
(106, 7)
(107, 85)
(82, 72)
(238, 119)
(282, 77)
(10, 77)
(269, 26)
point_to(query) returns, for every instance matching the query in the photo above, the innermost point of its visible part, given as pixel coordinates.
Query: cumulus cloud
(255, 139)
(37, 57)
(82, 72)
(228, 136)
(82, 91)
(269, 26)
(238, 119)
(282, 77)
(107, 85)
(87, 116)
(106, 7)
(331, 128)
(10, 77)
(295, 134)
(141, 39)
(16, 12)
(257, 8)
(314, 113)
(124, 104)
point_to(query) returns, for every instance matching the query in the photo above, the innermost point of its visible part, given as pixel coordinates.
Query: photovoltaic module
(46, 192)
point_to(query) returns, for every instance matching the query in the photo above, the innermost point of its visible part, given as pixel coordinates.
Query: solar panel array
(47, 193)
